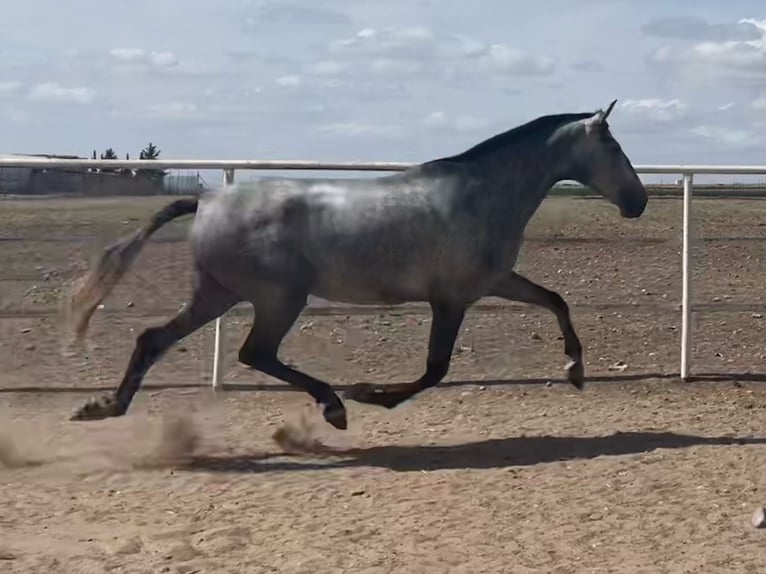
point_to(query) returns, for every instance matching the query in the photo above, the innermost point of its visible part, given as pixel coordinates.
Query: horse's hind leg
(209, 301)
(517, 288)
(275, 314)
(445, 326)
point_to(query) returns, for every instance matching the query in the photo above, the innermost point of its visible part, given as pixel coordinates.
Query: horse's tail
(114, 262)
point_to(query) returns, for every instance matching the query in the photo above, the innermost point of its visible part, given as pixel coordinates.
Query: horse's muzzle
(633, 209)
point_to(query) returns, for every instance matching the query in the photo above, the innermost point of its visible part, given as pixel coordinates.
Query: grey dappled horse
(447, 231)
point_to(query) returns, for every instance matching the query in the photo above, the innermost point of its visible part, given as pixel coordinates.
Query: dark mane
(501, 140)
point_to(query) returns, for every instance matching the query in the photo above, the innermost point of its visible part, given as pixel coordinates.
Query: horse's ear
(599, 116)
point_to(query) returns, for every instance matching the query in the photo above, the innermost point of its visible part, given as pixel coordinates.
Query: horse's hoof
(98, 409)
(336, 416)
(576, 374)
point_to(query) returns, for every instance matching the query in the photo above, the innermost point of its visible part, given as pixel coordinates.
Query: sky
(394, 80)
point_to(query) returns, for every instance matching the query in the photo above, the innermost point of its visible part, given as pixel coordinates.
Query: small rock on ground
(129, 546)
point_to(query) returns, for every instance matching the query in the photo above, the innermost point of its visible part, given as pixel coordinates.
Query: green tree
(151, 152)
(109, 154)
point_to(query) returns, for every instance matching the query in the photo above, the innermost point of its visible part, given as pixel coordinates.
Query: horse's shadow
(284, 388)
(492, 453)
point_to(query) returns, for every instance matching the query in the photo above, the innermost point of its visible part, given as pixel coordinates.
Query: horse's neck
(517, 180)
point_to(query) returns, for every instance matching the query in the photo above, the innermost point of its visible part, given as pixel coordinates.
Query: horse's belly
(361, 292)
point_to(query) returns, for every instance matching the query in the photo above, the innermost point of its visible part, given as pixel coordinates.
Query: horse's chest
(480, 258)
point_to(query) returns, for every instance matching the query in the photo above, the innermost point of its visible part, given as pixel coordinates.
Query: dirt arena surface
(503, 468)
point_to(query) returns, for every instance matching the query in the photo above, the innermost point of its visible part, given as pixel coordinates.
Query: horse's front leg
(514, 287)
(447, 318)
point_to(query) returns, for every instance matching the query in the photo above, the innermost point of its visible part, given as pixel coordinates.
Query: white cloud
(173, 110)
(415, 33)
(727, 136)
(470, 123)
(127, 54)
(14, 116)
(327, 68)
(695, 28)
(21, 60)
(588, 66)
(514, 61)
(726, 106)
(10, 88)
(732, 55)
(354, 129)
(415, 41)
(466, 123)
(289, 81)
(760, 25)
(434, 120)
(470, 47)
(394, 67)
(401, 49)
(276, 14)
(54, 92)
(139, 56)
(655, 109)
(759, 103)
(163, 59)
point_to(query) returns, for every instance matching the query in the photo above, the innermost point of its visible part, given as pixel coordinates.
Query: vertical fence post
(686, 289)
(219, 351)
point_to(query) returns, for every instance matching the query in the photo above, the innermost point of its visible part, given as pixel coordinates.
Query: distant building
(183, 184)
(89, 181)
(21, 180)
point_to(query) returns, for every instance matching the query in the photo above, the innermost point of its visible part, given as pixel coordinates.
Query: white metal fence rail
(229, 168)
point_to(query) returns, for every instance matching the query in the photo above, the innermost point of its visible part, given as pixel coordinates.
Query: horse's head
(600, 164)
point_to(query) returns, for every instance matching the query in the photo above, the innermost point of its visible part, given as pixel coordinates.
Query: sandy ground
(503, 468)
